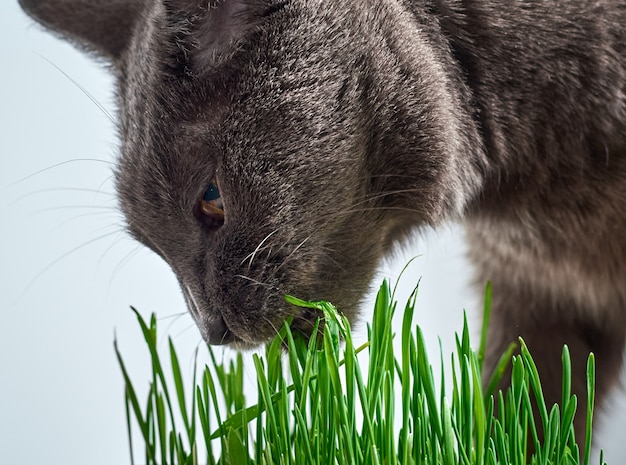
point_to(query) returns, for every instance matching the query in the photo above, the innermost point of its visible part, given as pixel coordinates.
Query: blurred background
(69, 272)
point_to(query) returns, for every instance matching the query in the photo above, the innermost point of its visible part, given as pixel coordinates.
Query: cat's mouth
(304, 322)
(216, 330)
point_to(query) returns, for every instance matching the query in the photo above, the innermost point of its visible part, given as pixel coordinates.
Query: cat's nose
(217, 333)
(213, 328)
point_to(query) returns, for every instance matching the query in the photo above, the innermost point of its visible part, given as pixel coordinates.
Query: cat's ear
(215, 27)
(101, 26)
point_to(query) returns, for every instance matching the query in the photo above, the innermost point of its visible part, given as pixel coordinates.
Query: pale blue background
(61, 393)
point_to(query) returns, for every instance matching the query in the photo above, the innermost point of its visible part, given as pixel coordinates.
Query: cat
(273, 147)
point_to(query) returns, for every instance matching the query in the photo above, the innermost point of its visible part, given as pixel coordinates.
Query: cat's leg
(546, 324)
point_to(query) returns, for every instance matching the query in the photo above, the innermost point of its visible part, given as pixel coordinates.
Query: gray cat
(285, 146)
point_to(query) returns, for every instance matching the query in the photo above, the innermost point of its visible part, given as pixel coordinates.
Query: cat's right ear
(214, 28)
(100, 26)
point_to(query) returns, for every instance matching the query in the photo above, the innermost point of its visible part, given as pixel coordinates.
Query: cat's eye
(212, 206)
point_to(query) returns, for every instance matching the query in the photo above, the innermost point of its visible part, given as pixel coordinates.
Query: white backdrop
(69, 273)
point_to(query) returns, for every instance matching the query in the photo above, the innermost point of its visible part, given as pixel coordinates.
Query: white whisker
(58, 165)
(78, 217)
(74, 207)
(259, 283)
(291, 254)
(104, 111)
(60, 189)
(120, 235)
(62, 257)
(258, 247)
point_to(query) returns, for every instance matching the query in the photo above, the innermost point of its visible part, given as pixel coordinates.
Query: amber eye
(211, 205)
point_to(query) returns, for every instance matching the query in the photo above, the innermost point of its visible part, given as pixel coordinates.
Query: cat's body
(335, 128)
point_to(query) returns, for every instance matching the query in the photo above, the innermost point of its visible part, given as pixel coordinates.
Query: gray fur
(336, 128)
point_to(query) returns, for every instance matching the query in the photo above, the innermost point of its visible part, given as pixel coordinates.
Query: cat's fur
(337, 127)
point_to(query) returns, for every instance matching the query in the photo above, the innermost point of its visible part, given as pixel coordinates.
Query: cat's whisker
(60, 258)
(107, 179)
(186, 329)
(269, 254)
(57, 165)
(282, 246)
(116, 240)
(268, 248)
(75, 207)
(351, 211)
(59, 189)
(269, 322)
(78, 217)
(329, 254)
(124, 260)
(101, 107)
(382, 195)
(255, 281)
(258, 247)
(386, 176)
(174, 316)
(305, 324)
(292, 253)
(119, 227)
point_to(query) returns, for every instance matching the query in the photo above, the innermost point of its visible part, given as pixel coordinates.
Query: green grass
(318, 403)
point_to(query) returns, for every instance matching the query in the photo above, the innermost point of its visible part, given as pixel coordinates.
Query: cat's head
(255, 154)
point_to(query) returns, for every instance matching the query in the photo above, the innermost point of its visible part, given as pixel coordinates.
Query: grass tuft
(319, 403)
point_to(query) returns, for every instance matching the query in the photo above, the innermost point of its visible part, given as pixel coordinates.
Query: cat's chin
(304, 332)
(243, 346)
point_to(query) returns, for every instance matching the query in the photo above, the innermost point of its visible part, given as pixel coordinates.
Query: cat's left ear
(101, 26)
